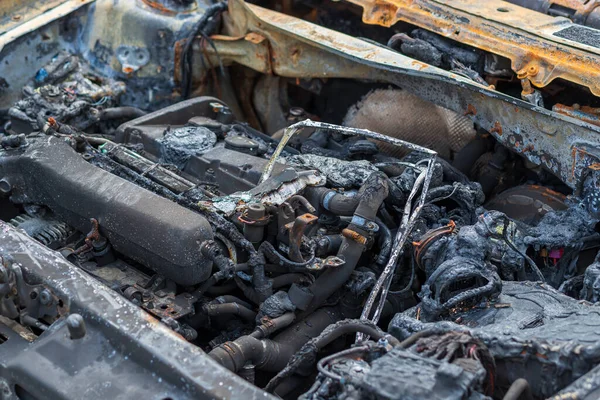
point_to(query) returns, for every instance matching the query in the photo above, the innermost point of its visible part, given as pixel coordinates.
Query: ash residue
(562, 228)
(339, 173)
(178, 145)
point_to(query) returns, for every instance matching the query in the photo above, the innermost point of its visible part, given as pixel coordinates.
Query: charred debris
(363, 243)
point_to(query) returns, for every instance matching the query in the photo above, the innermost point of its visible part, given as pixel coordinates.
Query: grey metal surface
(125, 353)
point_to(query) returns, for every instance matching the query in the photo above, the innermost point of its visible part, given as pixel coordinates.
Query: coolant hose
(371, 195)
(230, 299)
(386, 241)
(332, 201)
(273, 325)
(273, 355)
(215, 310)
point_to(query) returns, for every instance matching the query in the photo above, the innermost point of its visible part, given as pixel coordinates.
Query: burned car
(318, 200)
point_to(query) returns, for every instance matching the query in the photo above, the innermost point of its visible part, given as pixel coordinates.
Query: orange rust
(429, 237)
(158, 6)
(581, 7)
(162, 8)
(526, 85)
(497, 128)
(533, 70)
(588, 114)
(574, 155)
(226, 38)
(521, 35)
(471, 110)
(295, 56)
(155, 323)
(419, 65)
(255, 38)
(352, 235)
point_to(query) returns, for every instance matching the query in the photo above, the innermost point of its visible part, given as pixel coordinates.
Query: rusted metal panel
(17, 12)
(298, 49)
(33, 15)
(526, 37)
(588, 114)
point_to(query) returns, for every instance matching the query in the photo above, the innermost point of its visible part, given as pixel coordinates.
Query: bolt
(76, 326)
(532, 70)
(45, 297)
(297, 111)
(5, 187)
(256, 211)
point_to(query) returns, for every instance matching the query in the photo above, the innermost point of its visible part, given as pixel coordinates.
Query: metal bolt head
(5, 187)
(76, 326)
(45, 297)
(255, 211)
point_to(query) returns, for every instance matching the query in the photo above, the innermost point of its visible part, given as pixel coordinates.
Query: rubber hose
(332, 201)
(215, 310)
(287, 279)
(231, 299)
(519, 389)
(353, 327)
(121, 113)
(274, 256)
(273, 355)
(273, 325)
(386, 239)
(371, 195)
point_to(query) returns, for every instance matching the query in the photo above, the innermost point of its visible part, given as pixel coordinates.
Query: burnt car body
(380, 199)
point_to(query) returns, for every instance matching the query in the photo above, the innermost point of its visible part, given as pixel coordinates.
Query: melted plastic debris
(179, 144)
(561, 228)
(69, 91)
(339, 173)
(275, 306)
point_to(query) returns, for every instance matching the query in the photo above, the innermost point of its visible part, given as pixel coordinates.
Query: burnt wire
(504, 236)
(410, 282)
(409, 217)
(326, 360)
(202, 28)
(308, 353)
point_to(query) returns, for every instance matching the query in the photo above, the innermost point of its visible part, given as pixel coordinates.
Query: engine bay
(364, 243)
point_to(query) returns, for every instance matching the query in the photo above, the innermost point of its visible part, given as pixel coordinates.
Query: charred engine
(241, 244)
(402, 254)
(251, 248)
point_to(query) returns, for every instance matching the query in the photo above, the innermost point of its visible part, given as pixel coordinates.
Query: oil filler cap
(242, 144)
